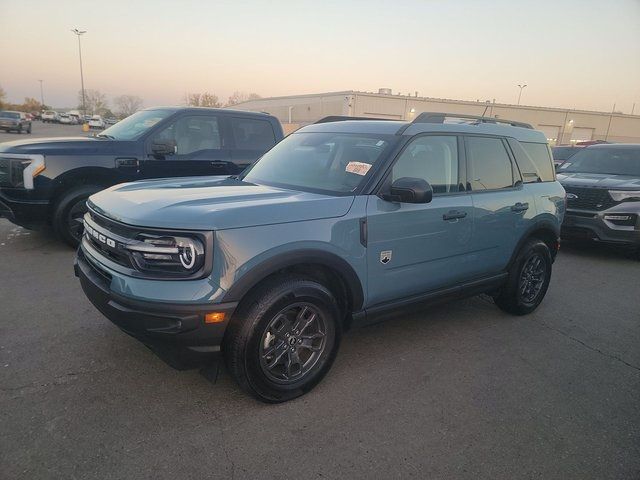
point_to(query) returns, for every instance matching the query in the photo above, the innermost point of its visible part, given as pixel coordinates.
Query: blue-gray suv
(338, 224)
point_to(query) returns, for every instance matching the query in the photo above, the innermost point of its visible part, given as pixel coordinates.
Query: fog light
(620, 218)
(214, 317)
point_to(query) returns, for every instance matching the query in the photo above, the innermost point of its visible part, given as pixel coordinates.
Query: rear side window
(252, 134)
(539, 155)
(488, 164)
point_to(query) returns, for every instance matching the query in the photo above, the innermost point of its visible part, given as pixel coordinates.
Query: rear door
(501, 206)
(201, 148)
(251, 137)
(416, 248)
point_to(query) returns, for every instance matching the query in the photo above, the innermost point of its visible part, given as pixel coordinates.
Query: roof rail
(430, 117)
(344, 118)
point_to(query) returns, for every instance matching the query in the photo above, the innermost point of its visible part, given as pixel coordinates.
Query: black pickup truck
(48, 180)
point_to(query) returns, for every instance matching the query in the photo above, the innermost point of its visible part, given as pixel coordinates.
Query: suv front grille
(113, 250)
(589, 198)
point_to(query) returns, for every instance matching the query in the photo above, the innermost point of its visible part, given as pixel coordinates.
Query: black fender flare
(297, 257)
(540, 225)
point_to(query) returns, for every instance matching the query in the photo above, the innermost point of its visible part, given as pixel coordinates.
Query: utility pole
(521, 87)
(41, 95)
(79, 33)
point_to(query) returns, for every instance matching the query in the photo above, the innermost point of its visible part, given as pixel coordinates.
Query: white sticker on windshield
(359, 168)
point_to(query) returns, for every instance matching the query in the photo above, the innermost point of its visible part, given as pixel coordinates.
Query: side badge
(385, 256)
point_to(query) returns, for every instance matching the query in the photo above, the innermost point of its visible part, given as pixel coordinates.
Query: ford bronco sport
(338, 224)
(48, 180)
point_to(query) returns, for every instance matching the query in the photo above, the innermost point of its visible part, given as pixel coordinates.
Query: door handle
(453, 215)
(520, 207)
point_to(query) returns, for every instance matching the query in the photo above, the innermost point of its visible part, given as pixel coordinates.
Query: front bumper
(26, 213)
(176, 332)
(593, 225)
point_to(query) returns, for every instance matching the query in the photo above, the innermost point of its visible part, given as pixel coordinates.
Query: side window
(541, 159)
(192, 134)
(252, 134)
(432, 158)
(489, 166)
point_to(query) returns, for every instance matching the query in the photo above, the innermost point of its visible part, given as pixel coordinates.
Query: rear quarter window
(540, 163)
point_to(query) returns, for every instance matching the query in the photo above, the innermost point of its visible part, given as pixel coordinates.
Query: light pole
(79, 33)
(41, 96)
(521, 87)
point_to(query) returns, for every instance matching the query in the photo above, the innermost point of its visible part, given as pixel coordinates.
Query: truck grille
(5, 172)
(589, 198)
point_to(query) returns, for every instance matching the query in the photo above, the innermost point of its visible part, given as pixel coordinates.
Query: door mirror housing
(409, 190)
(164, 148)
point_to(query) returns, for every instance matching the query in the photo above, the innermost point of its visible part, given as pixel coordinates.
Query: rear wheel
(281, 344)
(69, 212)
(29, 129)
(528, 280)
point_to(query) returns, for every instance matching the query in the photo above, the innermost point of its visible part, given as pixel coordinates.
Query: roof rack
(344, 118)
(430, 117)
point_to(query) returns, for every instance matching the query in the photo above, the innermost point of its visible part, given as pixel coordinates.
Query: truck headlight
(622, 195)
(24, 168)
(168, 254)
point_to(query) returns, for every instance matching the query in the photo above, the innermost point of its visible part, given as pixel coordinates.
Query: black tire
(19, 130)
(29, 129)
(68, 213)
(270, 322)
(528, 280)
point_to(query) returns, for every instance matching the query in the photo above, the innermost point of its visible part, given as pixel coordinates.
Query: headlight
(622, 195)
(24, 168)
(168, 254)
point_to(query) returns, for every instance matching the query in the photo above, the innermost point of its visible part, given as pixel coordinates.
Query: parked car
(65, 119)
(96, 121)
(603, 195)
(14, 122)
(562, 153)
(48, 180)
(338, 224)
(49, 116)
(75, 118)
(110, 121)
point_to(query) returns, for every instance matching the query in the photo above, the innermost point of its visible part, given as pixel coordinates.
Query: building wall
(562, 126)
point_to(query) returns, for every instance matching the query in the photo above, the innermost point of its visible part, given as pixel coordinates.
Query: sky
(571, 53)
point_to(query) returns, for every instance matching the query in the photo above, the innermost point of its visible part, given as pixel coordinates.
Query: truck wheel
(528, 280)
(69, 211)
(29, 129)
(283, 342)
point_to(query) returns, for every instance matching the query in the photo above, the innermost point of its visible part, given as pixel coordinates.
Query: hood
(212, 203)
(58, 146)
(600, 180)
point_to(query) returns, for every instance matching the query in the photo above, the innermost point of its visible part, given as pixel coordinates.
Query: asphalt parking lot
(39, 130)
(460, 391)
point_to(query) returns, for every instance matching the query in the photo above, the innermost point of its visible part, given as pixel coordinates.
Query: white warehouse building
(561, 126)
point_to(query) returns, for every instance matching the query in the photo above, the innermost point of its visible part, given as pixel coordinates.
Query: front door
(417, 248)
(199, 148)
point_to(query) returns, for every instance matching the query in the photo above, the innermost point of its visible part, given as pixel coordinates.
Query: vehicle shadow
(598, 250)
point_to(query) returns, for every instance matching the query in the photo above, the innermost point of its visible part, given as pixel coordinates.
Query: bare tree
(239, 97)
(3, 95)
(127, 104)
(95, 101)
(205, 99)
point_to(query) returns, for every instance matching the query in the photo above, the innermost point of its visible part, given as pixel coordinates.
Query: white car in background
(49, 116)
(64, 119)
(96, 121)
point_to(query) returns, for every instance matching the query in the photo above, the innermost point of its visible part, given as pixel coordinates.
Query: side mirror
(409, 190)
(162, 149)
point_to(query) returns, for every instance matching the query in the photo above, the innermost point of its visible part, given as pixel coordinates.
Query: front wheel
(528, 280)
(69, 213)
(281, 344)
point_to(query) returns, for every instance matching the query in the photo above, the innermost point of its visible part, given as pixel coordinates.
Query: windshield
(135, 125)
(9, 115)
(334, 163)
(563, 153)
(613, 161)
